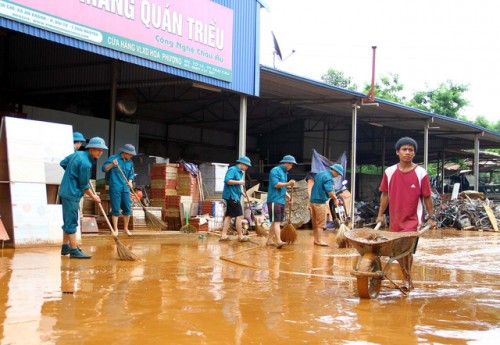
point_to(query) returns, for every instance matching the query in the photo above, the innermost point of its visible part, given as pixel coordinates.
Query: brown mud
(183, 293)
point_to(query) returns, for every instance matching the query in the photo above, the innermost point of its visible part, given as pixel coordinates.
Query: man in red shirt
(406, 189)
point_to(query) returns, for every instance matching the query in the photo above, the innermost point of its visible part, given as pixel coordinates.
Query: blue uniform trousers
(120, 200)
(70, 210)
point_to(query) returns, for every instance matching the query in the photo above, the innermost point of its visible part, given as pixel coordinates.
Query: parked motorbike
(341, 213)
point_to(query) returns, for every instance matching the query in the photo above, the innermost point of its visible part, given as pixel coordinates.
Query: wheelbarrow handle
(424, 230)
(377, 227)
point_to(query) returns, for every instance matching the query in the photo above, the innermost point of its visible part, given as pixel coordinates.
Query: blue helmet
(245, 160)
(96, 143)
(338, 168)
(128, 148)
(288, 159)
(78, 137)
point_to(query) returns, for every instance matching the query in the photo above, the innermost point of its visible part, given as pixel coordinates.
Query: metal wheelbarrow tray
(371, 245)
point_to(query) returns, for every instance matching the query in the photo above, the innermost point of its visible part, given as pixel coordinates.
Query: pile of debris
(470, 211)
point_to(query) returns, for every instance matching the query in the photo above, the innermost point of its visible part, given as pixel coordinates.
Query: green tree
(338, 78)
(483, 122)
(388, 87)
(447, 99)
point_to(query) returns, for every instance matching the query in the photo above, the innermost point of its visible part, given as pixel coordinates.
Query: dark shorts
(233, 208)
(276, 211)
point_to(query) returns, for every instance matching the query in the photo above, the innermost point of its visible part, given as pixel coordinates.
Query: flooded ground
(183, 293)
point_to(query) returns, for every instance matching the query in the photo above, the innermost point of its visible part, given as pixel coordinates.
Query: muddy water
(183, 293)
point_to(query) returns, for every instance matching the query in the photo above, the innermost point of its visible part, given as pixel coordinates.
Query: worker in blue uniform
(276, 194)
(119, 187)
(322, 191)
(77, 172)
(78, 140)
(233, 180)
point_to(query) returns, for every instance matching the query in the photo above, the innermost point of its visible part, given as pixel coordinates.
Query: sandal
(244, 239)
(280, 245)
(224, 239)
(321, 244)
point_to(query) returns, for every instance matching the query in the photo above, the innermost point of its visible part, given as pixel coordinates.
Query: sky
(426, 42)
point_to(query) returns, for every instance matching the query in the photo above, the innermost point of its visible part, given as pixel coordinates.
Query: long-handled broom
(340, 238)
(124, 253)
(259, 229)
(188, 228)
(152, 221)
(289, 234)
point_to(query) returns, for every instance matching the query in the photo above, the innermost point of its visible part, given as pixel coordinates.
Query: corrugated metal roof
(314, 95)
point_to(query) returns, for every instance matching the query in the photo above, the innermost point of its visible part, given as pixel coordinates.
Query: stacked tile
(187, 184)
(163, 184)
(196, 223)
(163, 180)
(171, 210)
(206, 207)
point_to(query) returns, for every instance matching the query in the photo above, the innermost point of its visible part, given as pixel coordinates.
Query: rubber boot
(65, 249)
(76, 253)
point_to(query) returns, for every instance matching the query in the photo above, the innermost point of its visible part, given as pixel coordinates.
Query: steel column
(242, 140)
(476, 163)
(112, 108)
(353, 157)
(426, 144)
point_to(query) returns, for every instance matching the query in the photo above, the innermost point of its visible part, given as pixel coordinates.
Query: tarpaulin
(321, 163)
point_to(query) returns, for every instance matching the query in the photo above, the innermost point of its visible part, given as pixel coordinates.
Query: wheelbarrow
(372, 244)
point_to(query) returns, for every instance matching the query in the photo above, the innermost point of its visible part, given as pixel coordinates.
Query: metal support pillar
(325, 138)
(384, 142)
(112, 108)
(242, 139)
(426, 144)
(442, 168)
(353, 157)
(476, 163)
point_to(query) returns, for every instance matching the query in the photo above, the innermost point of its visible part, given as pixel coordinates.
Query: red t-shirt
(406, 192)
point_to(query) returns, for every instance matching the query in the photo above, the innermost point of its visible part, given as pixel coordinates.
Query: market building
(184, 82)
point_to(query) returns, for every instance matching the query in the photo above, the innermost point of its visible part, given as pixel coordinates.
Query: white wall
(126, 133)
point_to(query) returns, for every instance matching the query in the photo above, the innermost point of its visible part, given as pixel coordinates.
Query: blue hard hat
(288, 159)
(245, 160)
(128, 148)
(96, 143)
(78, 137)
(338, 168)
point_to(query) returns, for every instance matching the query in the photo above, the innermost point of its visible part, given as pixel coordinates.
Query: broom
(340, 238)
(188, 228)
(152, 221)
(259, 229)
(289, 234)
(124, 253)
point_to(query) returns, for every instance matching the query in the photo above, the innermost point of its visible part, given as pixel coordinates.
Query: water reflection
(183, 293)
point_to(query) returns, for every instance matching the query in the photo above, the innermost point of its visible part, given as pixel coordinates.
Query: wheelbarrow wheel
(369, 287)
